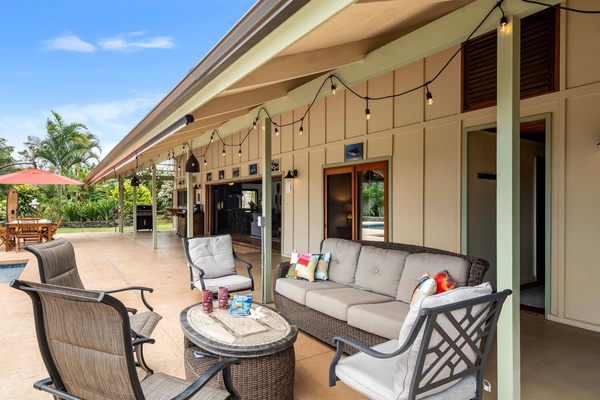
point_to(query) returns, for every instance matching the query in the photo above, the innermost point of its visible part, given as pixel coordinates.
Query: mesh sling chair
(58, 266)
(440, 354)
(212, 264)
(85, 342)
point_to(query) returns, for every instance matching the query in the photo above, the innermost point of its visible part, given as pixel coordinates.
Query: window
(356, 202)
(539, 61)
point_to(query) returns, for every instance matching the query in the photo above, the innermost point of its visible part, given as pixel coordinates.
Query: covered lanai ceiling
(279, 53)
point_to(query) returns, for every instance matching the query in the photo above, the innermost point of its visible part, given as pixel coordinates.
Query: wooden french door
(356, 205)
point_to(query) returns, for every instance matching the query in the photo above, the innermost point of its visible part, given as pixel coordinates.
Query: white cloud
(69, 42)
(121, 44)
(111, 121)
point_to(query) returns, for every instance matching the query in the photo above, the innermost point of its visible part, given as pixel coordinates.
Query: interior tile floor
(558, 361)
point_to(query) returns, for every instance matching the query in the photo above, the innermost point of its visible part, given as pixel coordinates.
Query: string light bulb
(240, 151)
(333, 87)
(212, 137)
(254, 124)
(301, 127)
(367, 111)
(276, 131)
(205, 163)
(503, 22)
(223, 150)
(428, 96)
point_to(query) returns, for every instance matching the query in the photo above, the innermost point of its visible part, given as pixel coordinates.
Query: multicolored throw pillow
(443, 281)
(306, 265)
(292, 268)
(425, 287)
(322, 270)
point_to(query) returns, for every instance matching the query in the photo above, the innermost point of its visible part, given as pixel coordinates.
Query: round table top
(237, 336)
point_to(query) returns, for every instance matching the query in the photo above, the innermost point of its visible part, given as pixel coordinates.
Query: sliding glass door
(356, 202)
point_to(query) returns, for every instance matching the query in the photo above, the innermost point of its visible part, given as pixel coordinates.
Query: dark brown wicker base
(267, 377)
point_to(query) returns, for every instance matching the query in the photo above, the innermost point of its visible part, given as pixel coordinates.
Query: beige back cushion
(214, 254)
(344, 259)
(379, 270)
(407, 360)
(418, 263)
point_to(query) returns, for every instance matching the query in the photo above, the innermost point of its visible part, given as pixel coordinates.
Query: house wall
(424, 146)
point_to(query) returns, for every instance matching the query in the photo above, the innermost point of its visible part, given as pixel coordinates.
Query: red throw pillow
(444, 283)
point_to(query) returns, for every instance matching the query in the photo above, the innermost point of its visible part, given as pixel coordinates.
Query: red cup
(207, 301)
(223, 298)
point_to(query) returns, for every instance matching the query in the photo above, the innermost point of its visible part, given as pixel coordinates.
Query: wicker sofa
(367, 295)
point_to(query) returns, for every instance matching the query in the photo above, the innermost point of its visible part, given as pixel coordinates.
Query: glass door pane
(371, 205)
(339, 205)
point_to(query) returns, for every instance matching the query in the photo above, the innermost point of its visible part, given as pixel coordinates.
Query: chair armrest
(208, 375)
(141, 340)
(142, 289)
(248, 267)
(45, 386)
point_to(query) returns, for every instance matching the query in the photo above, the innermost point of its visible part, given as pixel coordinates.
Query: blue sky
(104, 63)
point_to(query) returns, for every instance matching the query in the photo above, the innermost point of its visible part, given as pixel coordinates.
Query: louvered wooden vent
(539, 61)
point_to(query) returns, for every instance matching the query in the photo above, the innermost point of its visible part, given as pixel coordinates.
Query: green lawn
(161, 226)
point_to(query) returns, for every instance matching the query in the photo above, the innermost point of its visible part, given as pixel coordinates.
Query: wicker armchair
(58, 266)
(441, 351)
(212, 264)
(85, 342)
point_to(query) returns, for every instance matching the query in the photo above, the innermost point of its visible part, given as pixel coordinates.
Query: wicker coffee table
(265, 348)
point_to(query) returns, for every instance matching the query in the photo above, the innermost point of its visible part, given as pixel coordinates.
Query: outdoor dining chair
(212, 264)
(27, 231)
(48, 233)
(58, 266)
(85, 342)
(441, 351)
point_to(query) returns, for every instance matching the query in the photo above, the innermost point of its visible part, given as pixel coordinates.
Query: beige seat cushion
(374, 377)
(383, 319)
(296, 289)
(418, 263)
(335, 302)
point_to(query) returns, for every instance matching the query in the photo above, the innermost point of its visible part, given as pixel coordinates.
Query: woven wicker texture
(325, 328)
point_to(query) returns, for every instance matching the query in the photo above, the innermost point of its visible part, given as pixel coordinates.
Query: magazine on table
(240, 305)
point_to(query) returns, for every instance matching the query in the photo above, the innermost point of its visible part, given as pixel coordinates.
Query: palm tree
(66, 146)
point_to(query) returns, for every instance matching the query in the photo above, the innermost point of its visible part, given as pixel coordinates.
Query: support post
(154, 213)
(121, 202)
(267, 212)
(508, 212)
(189, 184)
(134, 205)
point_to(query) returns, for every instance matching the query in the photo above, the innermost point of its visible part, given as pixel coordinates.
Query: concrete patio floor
(558, 361)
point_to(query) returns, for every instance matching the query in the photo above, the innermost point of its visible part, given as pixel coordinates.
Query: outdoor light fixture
(135, 182)
(503, 20)
(428, 96)
(291, 174)
(192, 164)
(367, 111)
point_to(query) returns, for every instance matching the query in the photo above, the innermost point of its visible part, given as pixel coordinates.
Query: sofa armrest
(280, 272)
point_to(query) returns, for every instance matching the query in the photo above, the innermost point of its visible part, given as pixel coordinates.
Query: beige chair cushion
(234, 283)
(383, 319)
(374, 377)
(296, 289)
(335, 302)
(214, 254)
(379, 270)
(418, 263)
(344, 259)
(406, 361)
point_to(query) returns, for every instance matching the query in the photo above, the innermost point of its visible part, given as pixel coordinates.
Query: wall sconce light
(291, 174)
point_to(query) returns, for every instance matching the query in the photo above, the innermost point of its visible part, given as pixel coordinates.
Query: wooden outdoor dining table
(12, 229)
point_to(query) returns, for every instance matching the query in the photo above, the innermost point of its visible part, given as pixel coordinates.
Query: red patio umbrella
(36, 176)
